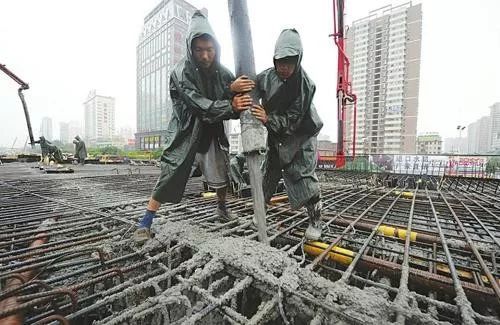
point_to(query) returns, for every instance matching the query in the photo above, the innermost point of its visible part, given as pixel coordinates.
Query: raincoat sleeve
(229, 78)
(290, 120)
(210, 111)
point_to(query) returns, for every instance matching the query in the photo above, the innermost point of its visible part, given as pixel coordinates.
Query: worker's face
(285, 68)
(204, 52)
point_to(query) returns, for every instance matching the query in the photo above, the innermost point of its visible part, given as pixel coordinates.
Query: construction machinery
(23, 86)
(344, 88)
(252, 135)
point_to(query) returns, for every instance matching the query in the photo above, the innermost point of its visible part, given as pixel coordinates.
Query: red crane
(344, 87)
(23, 86)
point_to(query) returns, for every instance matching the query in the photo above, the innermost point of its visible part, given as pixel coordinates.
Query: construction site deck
(396, 248)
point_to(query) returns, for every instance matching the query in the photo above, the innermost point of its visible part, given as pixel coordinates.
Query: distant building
(124, 138)
(126, 132)
(429, 144)
(130, 145)
(384, 49)
(326, 148)
(327, 154)
(64, 136)
(99, 119)
(479, 136)
(75, 128)
(495, 127)
(161, 45)
(46, 128)
(68, 131)
(455, 145)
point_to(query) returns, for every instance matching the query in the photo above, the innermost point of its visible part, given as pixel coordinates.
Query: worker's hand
(242, 85)
(260, 113)
(241, 102)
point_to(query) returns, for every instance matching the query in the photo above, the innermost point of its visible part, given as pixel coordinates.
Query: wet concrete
(275, 270)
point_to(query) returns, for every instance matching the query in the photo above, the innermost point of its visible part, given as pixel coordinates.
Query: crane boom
(22, 86)
(344, 90)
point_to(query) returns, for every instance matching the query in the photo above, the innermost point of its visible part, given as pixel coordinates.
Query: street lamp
(460, 128)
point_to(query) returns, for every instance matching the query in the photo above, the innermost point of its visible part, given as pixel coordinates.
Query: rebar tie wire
(280, 304)
(303, 241)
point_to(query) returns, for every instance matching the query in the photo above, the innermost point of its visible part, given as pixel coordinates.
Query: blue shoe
(142, 235)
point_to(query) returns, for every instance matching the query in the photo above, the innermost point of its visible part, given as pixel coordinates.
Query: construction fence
(479, 166)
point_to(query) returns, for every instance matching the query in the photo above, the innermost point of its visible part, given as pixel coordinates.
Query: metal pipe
(252, 131)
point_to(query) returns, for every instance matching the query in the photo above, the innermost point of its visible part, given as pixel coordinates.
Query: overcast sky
(63, 49)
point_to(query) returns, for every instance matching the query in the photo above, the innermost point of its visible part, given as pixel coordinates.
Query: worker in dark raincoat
(80, 150)
(50, 150)
(293, 124)
(203, 96)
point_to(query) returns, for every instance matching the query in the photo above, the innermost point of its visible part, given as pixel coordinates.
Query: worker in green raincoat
(50, 150)
(203, 96)
(80, 150)
(293, 124)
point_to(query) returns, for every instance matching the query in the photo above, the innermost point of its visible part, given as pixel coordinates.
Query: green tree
(111, 150)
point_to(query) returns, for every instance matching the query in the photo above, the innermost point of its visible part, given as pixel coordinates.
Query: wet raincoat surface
(237, 165)
(48, 149)
(199, 107)
(292, 125)
(80, 149)
(44, 145)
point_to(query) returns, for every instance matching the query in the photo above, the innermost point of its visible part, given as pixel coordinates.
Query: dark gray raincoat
(193, 115)
(293, 125)
(80, 149)
(237, 165)
(48, 149)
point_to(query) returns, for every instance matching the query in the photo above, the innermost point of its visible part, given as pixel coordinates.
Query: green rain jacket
(49, 149)
(293, 125)
(193, 112)
(80, 148)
